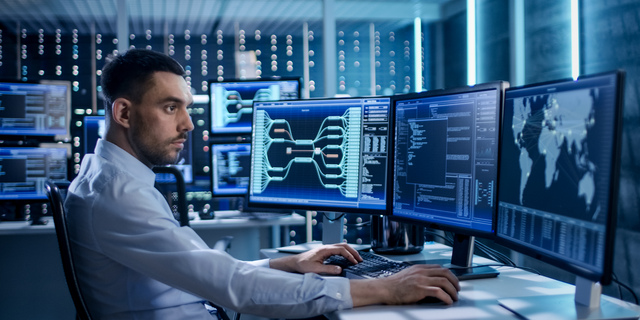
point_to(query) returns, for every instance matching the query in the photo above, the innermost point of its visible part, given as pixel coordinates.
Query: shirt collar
(125, 161)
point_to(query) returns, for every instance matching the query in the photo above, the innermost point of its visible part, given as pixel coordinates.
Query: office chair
(62, 233)
(180, 210)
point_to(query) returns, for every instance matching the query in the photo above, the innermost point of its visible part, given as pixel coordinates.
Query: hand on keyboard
(312, 260)
(372, 266)
(440, 284)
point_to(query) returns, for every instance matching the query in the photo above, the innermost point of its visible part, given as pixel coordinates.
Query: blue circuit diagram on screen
(328, 153)
(334, 151)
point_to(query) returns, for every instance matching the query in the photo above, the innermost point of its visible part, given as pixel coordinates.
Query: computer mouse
(431, 301)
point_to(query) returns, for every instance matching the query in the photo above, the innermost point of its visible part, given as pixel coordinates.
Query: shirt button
(339, 295)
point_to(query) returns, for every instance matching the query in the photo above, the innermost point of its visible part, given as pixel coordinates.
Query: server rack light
(471, 42)
(575, 39)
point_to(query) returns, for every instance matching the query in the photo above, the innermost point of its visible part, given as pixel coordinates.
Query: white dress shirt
(134, 261)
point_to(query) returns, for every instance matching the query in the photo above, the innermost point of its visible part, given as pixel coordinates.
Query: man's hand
(312, 260)
(408, 286)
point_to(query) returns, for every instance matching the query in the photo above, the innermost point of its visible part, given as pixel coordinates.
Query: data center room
(311, 49)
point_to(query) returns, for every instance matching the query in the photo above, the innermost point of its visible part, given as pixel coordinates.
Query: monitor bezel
(315, 207)
(239, 80)
(500, 87)
(213, 169)
(607, 269)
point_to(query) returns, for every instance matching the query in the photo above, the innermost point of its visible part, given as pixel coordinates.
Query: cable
(358, 225)
(433, 233)
(499, 256)
(620, 284)
(324, 214)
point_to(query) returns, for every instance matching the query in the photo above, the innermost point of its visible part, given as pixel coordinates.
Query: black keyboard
(376, 266)
(372, 266)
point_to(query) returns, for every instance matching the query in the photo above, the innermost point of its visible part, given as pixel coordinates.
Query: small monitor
(94, 129)
(231, 101)
(559, 172)
(321, 154)
(445, 163)
(23, 171)
(35, 109)
(230, 167)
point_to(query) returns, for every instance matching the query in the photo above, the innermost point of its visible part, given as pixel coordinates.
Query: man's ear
(121, 111)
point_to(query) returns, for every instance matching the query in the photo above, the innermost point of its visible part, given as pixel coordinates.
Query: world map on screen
(566, 119)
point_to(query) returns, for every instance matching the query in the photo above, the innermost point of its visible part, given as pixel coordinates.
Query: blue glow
(575, 40)
(417, 47)
(471, 42)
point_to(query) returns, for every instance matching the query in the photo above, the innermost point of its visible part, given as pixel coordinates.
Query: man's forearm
(367, 292)
(287, 264)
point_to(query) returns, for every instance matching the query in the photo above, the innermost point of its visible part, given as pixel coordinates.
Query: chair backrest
(179, 206)
(62, 233)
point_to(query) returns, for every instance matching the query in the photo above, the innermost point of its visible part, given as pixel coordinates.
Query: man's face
(160, 123)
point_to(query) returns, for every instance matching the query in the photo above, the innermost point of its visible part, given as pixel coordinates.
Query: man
(135, 262)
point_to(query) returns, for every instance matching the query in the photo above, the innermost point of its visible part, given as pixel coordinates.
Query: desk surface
(25, 227)
(478, 298)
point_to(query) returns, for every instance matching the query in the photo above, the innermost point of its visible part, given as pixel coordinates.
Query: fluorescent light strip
(417, 52)
(575, 40)
(471, 42)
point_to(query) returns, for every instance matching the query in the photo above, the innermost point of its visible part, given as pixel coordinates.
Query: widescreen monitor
(321, 154)
(559, 172)
(230, 166)
(231, 101)
(23, 171)
(35, 109)
(445, 162)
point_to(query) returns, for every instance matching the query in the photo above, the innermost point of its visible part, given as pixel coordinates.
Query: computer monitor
(230, 167)
(559, 169)
(321, 154)
(35, 109)
(94, 129)
(445, 165)
(231, 101)
(23, 171)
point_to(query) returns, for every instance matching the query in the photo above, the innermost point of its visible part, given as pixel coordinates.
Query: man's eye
(171, 108)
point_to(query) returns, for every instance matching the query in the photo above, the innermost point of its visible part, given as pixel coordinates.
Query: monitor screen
(559, 172)
(230, 166)
(445, 166)
(321, 154)
(94, 129)
(445, 155)
(231, 101)
(35, 109)
(23, 171)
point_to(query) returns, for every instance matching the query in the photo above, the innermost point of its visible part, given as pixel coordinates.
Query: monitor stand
(392, 237)
(332, 227)
(461, 263)
(586, 303)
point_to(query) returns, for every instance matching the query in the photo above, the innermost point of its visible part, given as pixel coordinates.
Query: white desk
(478, 298)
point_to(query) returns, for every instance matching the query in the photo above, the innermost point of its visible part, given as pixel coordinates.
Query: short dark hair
(128, 75)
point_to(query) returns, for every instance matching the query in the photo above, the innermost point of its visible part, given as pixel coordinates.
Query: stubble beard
(157, 153)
